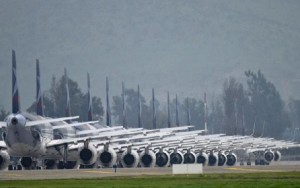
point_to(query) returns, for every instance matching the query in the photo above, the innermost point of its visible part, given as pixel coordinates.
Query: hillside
(186, 47)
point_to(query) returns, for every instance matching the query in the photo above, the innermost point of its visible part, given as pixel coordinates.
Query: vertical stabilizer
(90, 110)
(169, 115)
(108, 117)
(39, 97)
(68, 104)
(140, 122)
(188, 111)
(15, 91)
(205, 113)
(123, 106)
(176, 109)
(153, 109)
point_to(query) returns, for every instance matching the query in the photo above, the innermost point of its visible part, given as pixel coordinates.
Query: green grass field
(278, 179)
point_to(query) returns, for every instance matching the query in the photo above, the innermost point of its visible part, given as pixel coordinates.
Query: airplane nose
(14, 121)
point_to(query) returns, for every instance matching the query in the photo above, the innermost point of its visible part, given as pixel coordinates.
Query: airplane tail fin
(188, 111)
(123, 107)
(140, 109)
(15, 91)
(205, 113)
(68, 105)
(39, 98)
(90, 110)
(153, 109)
(108, 116)
(176, 108)
(169, 115)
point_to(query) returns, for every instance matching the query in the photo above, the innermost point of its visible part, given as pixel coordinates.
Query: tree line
(253, 109)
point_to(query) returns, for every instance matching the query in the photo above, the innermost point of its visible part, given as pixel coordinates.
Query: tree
(55, 101)
(131, 100)
(234, 104)
(216, 117)
(3, 114)
(196, 109)
(266, 105)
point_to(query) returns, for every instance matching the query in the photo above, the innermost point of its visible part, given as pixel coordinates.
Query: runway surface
(109, 172)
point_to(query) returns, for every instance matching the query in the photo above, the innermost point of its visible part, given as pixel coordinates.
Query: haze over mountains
(186, 47)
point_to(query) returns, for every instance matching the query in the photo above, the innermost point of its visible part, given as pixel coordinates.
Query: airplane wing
(2, 124)
(60, 142)
(99, 130)
(73, 125)
(39, 122)
(2, 145)
(181, 128)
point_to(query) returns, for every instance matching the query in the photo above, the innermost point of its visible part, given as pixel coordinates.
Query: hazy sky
(186, 47)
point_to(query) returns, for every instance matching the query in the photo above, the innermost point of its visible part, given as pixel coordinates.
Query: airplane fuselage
(23, 141)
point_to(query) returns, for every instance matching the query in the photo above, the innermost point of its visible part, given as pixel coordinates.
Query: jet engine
(221, 159)
(50, 163)
(107, 156)
(162, 158)
(277, 156)
(4, 160)
(27, 163)
(87, 154)
(176, 157)
(231, 159)
(202, 158)
(269, 156)
(189, 157)
(129, 158)
(147, 158)
(212, 159)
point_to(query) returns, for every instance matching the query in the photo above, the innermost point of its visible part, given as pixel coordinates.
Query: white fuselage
(25, 141)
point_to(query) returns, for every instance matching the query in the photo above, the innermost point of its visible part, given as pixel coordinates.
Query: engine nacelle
(50, 163)
(231, 159)
(176, 157)
(107, 156)
(202, 158)
(87, 154)
(189, 157)
(4, 160)
(147, 158)
(129, 158)
(27, 163)
(162, 158)
(222, 159)
(212, 159)
(269, 156)
(277, 156)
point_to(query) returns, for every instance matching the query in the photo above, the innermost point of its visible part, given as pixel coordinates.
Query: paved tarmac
(109, 172)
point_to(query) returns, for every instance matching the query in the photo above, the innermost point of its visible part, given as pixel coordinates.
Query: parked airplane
(30, 139)
(33, 140)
